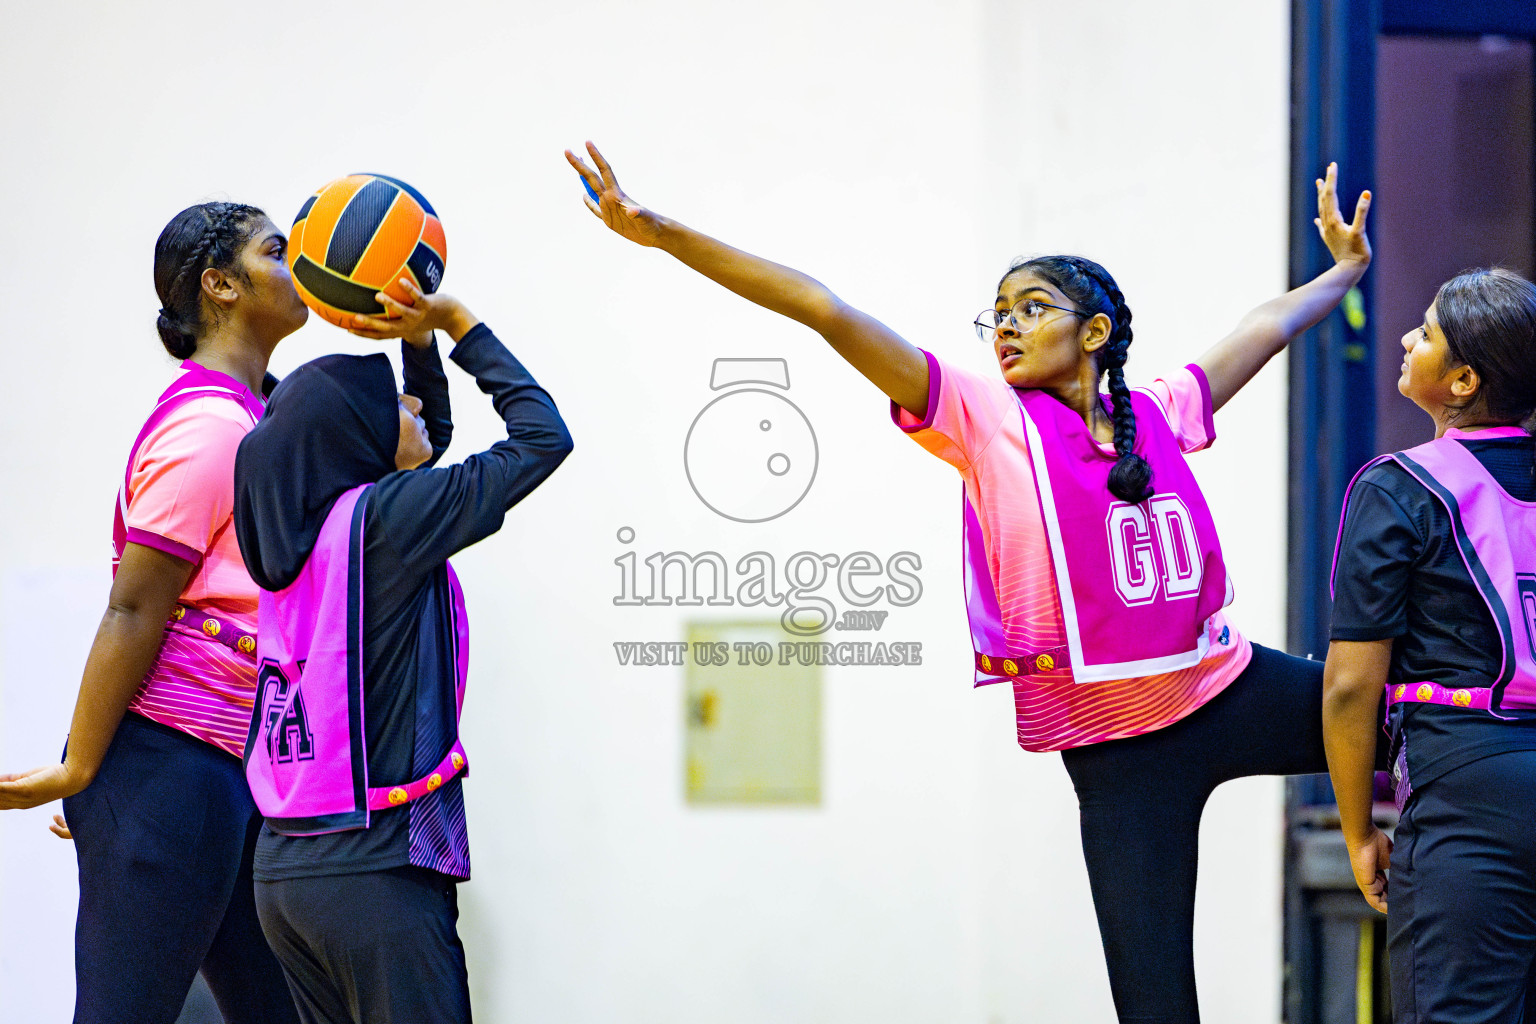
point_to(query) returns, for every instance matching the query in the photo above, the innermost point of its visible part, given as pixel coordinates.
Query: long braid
(1131, 478)
(1092, 288)
(216, 243)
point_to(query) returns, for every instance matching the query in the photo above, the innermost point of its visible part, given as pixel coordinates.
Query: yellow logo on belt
(1462, 698)
(1045, 663)
(211, 627)
(986, 663)
(1425, 691)
(178, 613)
(433, 781)
(398, 795)
(247, 644)
(1010, 667)
(458, 761)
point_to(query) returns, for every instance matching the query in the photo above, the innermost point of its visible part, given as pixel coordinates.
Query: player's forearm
(1301, 309)
(458, 321)
(422, 368)
(1269, 328)
(1351, 698)
(893, 365)
(778, 288)
(126, 645)
(537, 438)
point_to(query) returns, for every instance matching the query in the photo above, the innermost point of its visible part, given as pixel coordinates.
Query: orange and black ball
(359, 235)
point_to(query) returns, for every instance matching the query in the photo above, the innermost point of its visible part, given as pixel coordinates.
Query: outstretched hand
(1347, 242)
(613, 207)
(1370, 861)
(38, 786)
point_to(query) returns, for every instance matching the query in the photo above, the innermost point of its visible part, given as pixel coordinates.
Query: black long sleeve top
(415, 519)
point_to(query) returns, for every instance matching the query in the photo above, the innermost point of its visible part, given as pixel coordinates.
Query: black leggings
(1141, 800)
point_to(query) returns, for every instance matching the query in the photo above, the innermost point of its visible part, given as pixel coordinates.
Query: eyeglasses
(1025, 317)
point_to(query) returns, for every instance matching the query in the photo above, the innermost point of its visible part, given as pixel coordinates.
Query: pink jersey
(178, 497)
(974, 423)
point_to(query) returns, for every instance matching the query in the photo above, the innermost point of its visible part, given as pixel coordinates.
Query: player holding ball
(347, 527)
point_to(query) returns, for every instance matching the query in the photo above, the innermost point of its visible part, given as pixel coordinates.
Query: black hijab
(330, 425)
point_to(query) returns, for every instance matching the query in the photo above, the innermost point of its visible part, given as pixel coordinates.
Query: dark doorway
(1454, 162)
(1433, 106)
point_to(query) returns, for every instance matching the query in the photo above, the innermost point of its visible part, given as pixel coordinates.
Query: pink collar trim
(1486, 433)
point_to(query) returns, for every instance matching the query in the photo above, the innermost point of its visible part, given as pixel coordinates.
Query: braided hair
(199, 237)
(1093, 290)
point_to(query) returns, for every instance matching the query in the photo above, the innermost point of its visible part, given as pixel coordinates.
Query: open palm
(613, 207)
(1347, 242)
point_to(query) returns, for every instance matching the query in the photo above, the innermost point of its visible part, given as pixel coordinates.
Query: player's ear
(219, 287)
(1465, 383)
(1095, 332)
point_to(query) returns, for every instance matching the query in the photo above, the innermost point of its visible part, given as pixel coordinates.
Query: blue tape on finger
(588, 186)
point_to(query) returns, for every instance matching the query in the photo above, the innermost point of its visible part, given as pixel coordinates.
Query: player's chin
(1017, 375)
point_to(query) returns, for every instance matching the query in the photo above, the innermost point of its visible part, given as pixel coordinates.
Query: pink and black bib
(1137, 582)
(306, 759)
(1495, 535)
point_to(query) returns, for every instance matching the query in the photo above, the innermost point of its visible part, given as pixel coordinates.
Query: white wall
(902, 152)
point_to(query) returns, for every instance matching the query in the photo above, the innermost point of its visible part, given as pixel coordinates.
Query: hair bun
(178, 341)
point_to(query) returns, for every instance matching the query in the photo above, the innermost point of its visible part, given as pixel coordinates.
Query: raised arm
(415, 325)
(430, 515)
(1266, 330)
(423, 371)
(891, 363)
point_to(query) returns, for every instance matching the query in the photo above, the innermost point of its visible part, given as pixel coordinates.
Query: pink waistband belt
(393, 796)
(215, 629)
(1479, 697)
(1021, 664)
